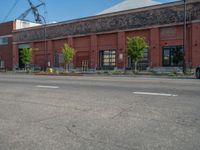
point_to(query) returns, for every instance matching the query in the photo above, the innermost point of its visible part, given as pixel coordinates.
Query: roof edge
(164, 5)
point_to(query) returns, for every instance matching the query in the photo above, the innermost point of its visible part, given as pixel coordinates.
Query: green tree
(136, 46)
(26, 56)
(68, 54)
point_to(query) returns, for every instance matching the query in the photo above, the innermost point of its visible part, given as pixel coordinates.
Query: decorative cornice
(144, 18)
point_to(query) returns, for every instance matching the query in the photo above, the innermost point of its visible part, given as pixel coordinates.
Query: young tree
(136, 46)
(26, 56)
(68, 54)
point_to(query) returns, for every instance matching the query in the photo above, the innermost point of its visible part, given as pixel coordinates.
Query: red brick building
(101, 40)
(6, 45)
(6, 41)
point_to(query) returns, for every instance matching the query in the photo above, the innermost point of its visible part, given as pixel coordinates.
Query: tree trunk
(135, 66)
(25, 68)
(68, 67)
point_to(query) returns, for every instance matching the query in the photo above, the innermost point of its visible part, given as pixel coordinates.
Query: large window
(173, 56)
(1, 64)
(3, 40)
(58, 59)
(107, 59)
(143, 63)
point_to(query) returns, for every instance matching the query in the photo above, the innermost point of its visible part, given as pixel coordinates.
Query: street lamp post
(185, 37)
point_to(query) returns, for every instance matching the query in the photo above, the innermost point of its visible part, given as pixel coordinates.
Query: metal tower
(35, 12)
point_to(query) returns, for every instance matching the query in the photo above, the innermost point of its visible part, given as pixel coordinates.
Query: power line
(10, 11)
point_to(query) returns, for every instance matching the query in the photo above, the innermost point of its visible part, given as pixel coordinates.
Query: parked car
(197, 72)
(33, 67)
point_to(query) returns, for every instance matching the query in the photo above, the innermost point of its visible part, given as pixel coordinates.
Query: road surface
(98, 113)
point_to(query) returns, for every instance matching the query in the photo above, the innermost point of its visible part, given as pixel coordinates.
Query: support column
(122, 57)
(155, 52)
(94, 52)
(195, 46)
(50, 53)
(188, 53)
(32, 46)
(71, 41)
(15, 56)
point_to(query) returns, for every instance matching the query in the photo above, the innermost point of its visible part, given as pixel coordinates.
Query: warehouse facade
(100, 41)
(6, 41)
(6, 45)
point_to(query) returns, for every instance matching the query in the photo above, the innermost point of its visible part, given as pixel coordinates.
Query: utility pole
(184, 37)
(45, 46)
(45, 43)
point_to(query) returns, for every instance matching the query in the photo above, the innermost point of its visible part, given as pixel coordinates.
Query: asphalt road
(98, 113)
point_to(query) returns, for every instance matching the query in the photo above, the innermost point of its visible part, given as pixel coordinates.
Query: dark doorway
(57, 64)
(173, 56)
(21, 64)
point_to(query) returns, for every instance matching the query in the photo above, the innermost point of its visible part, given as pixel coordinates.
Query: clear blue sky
(59, 10)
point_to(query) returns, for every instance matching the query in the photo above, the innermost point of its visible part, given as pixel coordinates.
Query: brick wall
(6, 50)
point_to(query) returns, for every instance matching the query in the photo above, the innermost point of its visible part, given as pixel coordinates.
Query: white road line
(155, 94)
(50, 87)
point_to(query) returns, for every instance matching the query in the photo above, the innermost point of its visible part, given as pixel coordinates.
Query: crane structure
(34, 9)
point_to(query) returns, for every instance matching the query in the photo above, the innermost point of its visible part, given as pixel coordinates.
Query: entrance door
(57, 60)
(173, 56)
(166, 57)
(20, 48)
(21, 64)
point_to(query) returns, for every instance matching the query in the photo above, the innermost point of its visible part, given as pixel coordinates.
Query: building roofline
(1, 23)
(122, 6)
(27, 21)
(164, 5)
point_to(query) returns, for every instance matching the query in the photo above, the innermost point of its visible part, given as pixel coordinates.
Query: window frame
(171, 55)
(4, 40)
(108, 59)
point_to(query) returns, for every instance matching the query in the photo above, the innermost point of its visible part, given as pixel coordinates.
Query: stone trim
(122, 22)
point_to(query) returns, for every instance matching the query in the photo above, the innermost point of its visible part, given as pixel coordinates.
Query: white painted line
(155, 94)
(50, 87)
